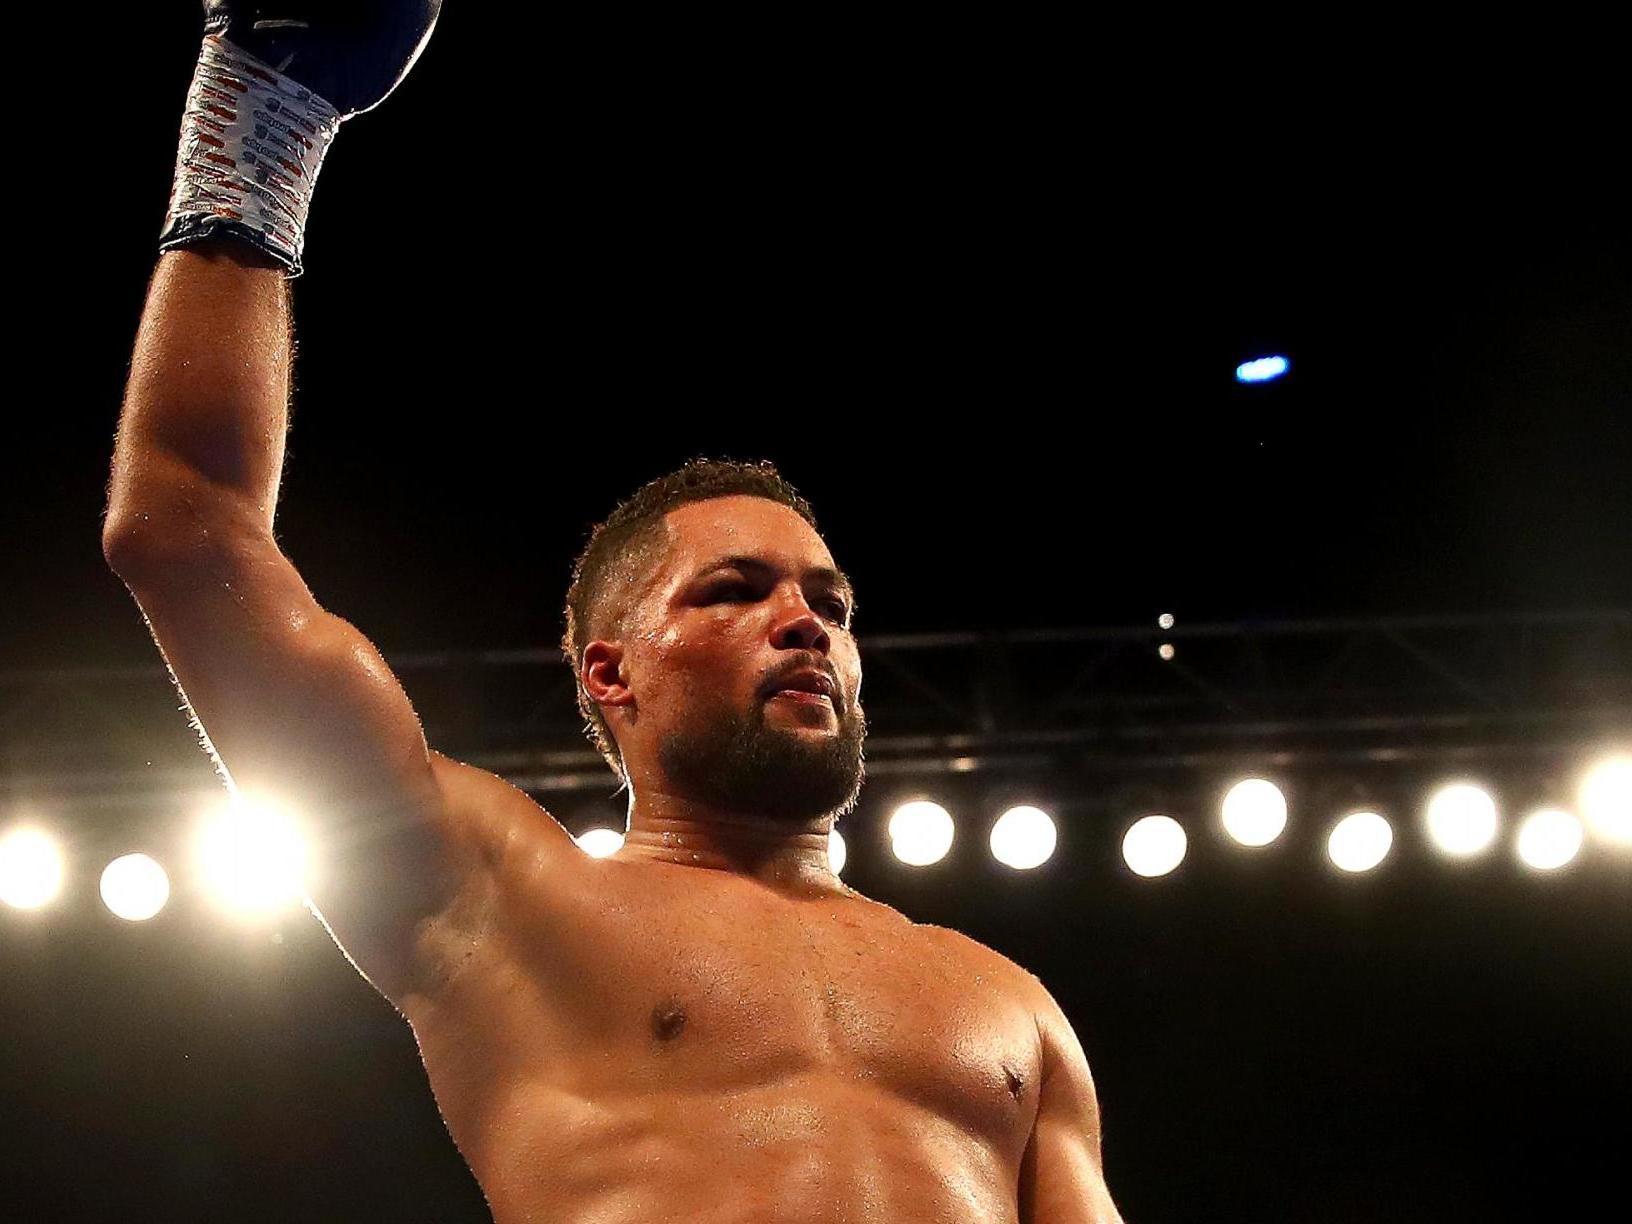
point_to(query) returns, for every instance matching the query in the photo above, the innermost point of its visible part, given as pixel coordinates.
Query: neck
(789, 857)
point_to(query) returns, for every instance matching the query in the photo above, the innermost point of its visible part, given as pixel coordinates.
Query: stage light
(1165, 620)
(1462, 819)
(1360, 841)
(135, 887)
(1166, 651)
(1606, 800)
(600, 843)
(1023, 838)
(921, 833)
(836, 852)
(31, 869)
(253, 856)
(1262, 370)
(1254, 812)
(1548, 839)
(1154, 845)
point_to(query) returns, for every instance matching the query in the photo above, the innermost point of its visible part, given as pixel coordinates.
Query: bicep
(1062, 1177)
(299, 708)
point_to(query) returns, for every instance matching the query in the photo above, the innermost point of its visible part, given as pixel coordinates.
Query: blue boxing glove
(273, 84)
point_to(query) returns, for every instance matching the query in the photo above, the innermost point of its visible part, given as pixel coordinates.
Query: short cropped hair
(625, 545)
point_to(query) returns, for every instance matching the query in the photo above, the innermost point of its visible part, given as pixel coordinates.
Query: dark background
(981, 299)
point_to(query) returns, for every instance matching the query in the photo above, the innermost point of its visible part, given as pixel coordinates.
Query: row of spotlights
(1461, 819)
(134, 886)
(1547, 839)
(252, 855)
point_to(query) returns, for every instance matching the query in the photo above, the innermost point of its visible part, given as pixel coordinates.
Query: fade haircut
(610, 572)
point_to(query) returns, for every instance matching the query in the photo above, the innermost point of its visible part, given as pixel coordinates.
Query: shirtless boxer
(706, 1026)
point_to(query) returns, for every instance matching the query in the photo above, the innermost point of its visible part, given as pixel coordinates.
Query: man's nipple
(1017, 1083)
(668, 1019)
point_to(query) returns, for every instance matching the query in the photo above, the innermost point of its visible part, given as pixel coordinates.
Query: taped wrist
(252, 143)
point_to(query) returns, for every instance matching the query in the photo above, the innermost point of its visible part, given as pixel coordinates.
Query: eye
(731, 592)
(834, 609)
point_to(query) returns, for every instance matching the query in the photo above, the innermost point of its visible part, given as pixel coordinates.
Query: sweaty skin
(709, 1025)
(648, 1040)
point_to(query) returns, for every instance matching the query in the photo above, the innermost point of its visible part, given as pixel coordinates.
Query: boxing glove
(274, 82)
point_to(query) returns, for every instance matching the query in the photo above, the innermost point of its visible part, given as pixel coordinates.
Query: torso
(635, 1041)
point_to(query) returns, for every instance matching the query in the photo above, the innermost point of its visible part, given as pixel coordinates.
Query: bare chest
(681, 987)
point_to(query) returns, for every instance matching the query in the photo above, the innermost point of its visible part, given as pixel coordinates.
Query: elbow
(176, 526)
(121, 542)
(135, 544)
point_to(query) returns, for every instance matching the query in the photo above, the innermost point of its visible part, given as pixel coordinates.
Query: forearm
(201, 437)
(206, 406)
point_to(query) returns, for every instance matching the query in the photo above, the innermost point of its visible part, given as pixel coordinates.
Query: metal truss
(1092, 704)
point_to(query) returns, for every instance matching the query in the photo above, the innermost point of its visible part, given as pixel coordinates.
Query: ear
(603, 675)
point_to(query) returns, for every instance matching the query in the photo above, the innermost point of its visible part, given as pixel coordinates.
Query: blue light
(1262, 370)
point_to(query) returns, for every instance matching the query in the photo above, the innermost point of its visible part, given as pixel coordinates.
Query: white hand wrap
(252, 143)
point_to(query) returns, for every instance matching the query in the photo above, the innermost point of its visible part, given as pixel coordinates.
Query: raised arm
(291, 700)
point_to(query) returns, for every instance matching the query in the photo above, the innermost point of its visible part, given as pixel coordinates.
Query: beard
(734, 761)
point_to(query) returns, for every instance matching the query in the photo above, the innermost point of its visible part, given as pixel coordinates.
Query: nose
(798, 628)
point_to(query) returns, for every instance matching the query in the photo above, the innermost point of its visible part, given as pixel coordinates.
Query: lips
(807, 682)
(800, 695)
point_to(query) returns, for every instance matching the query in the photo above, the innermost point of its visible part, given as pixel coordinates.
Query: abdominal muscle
(811, 1150)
